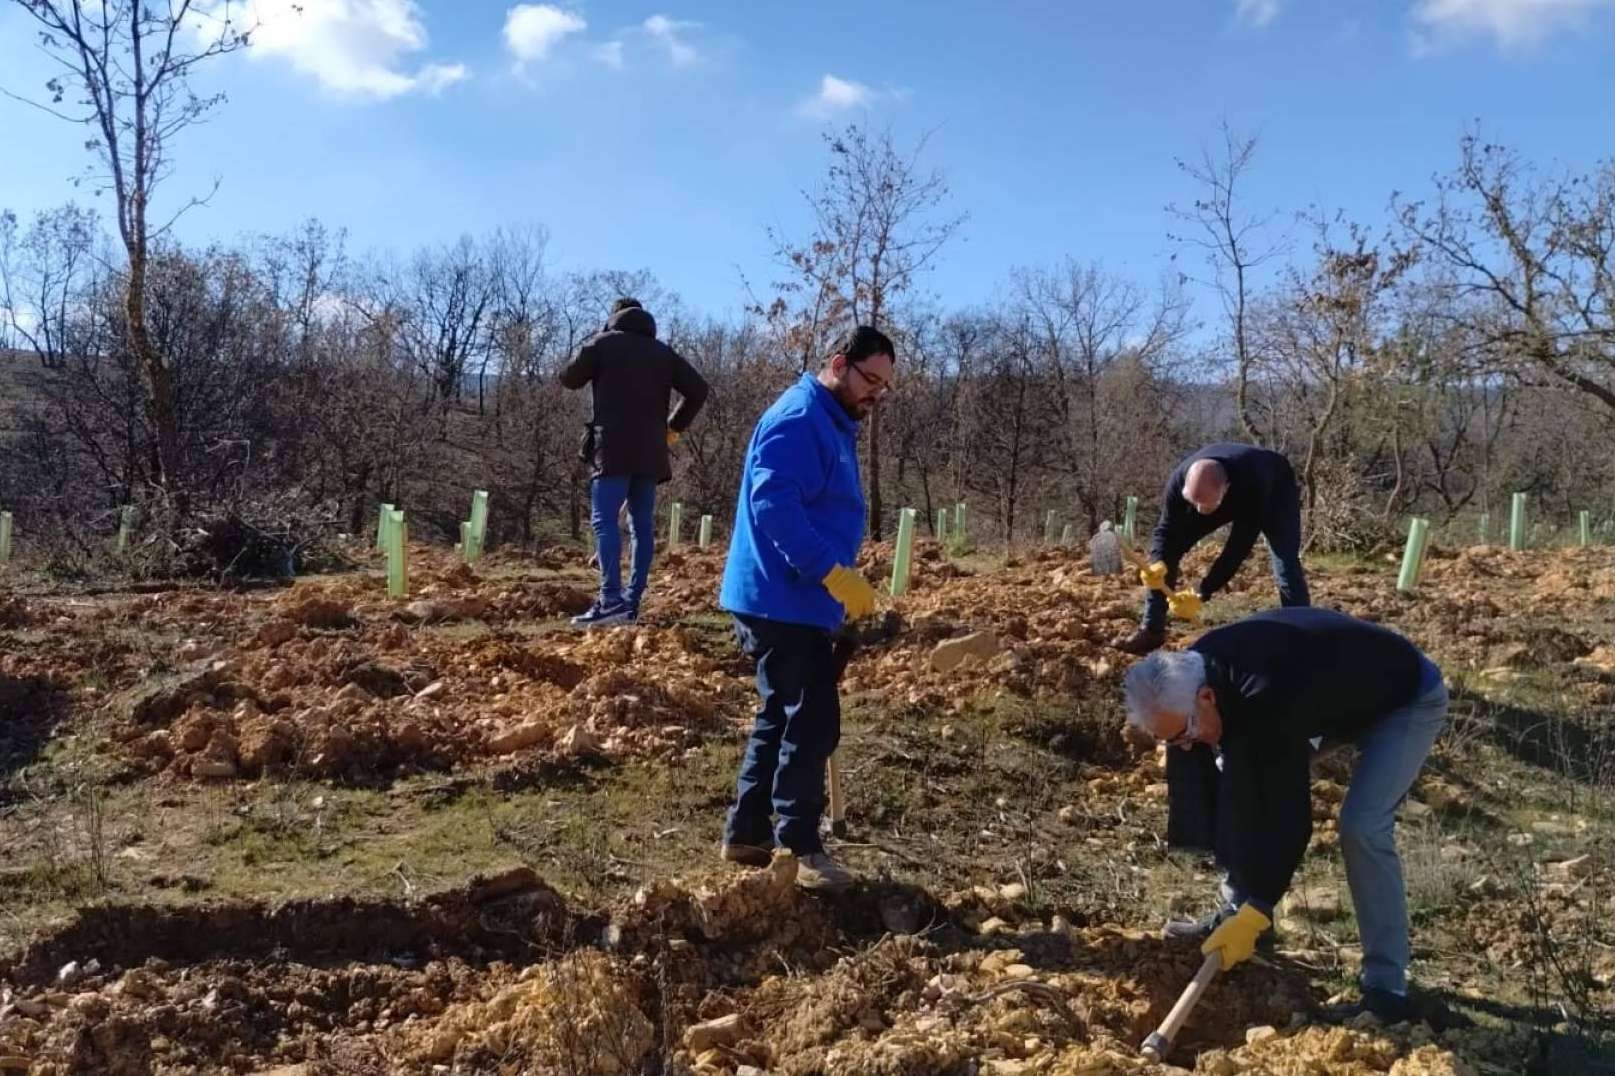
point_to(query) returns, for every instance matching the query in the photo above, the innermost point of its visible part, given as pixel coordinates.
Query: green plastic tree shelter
(397, 555)
(1516, 523)
(942, 524)
(381, 527)
(675, 523)
(705, 535)
(472, 536)
(1586, 519)
(5, 536)
(126, 523)
(905, 551)
(1485, 528)
(1413, 555)
(1068, 535)
(1130, 519)
(959, 520)
(1051, 529)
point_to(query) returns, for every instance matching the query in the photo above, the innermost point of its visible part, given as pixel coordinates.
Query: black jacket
(634, 376)
(1260, 481)
(1282, 677)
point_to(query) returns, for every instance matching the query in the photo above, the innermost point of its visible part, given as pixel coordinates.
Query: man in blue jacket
(1260, 692)
(790, 582)
(1252, 489)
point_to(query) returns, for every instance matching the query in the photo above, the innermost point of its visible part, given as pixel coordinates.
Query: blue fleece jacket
(801, 510)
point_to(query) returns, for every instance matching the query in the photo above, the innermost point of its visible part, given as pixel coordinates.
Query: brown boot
(1141, 642)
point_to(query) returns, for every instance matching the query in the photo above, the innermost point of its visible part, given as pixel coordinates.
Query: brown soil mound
(719, 971)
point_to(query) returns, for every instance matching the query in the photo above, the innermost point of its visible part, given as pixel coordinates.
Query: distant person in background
(1252, 488)
(627, 441)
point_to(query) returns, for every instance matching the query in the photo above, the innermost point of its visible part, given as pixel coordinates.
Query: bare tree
(126, 66)
(1106, 346)
(1530, 266)
(1234, 244)
(1328, 330)
(876, 229)
(46, 273)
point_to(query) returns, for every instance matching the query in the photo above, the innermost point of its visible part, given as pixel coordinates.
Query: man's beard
(857, 409)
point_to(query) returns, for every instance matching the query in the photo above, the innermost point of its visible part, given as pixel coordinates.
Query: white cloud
(533, 30)
(1512, 23)
(1257, 12)
(610, 54)
(435, 78)
(837, 95)
(667, 31)
(359, 47)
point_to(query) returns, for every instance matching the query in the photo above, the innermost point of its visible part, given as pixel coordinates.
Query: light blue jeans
(1392, 752)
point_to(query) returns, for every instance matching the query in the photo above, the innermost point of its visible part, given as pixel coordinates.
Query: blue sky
(669, 135)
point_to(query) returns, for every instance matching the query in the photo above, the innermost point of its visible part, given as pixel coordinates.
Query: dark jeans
(1282, 529)
(606, 497)
(796, 731)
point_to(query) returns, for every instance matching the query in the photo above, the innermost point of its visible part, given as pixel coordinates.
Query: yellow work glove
(1235, 940)
(1154, 576)
(1185, 605)
(672, 437)
(849, 588)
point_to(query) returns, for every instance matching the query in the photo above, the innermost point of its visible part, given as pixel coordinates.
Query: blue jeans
(1392, 751)
(606, 497)
(795, 733)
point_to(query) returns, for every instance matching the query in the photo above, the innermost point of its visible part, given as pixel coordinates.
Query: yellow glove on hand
(1235, 940)
(673, 437)
(1154, 576)
(1185, 605)
(849, 588)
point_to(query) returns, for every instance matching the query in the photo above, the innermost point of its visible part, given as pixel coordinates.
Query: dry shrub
(575, 1016)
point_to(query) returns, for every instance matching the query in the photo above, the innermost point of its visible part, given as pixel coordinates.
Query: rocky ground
(189, 778)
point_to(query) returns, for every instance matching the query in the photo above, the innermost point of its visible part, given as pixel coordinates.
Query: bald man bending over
(1252, 488)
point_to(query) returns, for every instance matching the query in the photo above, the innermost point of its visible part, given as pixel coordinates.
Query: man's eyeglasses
(1191, 725)
(882, 387)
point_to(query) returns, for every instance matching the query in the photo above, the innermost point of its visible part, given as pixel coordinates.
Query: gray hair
(1165, 681)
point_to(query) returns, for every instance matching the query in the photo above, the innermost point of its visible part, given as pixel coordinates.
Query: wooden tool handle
(1134, 557)
(1139, 561)
(838, 805)
(1156, 1046)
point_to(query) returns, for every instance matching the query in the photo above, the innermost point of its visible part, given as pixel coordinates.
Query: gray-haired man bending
(1259, 691)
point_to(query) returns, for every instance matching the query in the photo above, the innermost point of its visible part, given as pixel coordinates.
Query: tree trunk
(159, 383)
(875, 530)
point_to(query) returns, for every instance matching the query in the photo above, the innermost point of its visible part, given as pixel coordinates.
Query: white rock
(724, 1031)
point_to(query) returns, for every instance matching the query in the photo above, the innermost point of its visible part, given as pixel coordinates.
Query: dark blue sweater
(1282, 677)
(1254, 475)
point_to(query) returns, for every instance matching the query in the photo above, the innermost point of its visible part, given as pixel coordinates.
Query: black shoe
(1385, 1006)
(1392, 1008)
(1200, 929)
(747, 855)
(1141, 642)
(600, 615)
